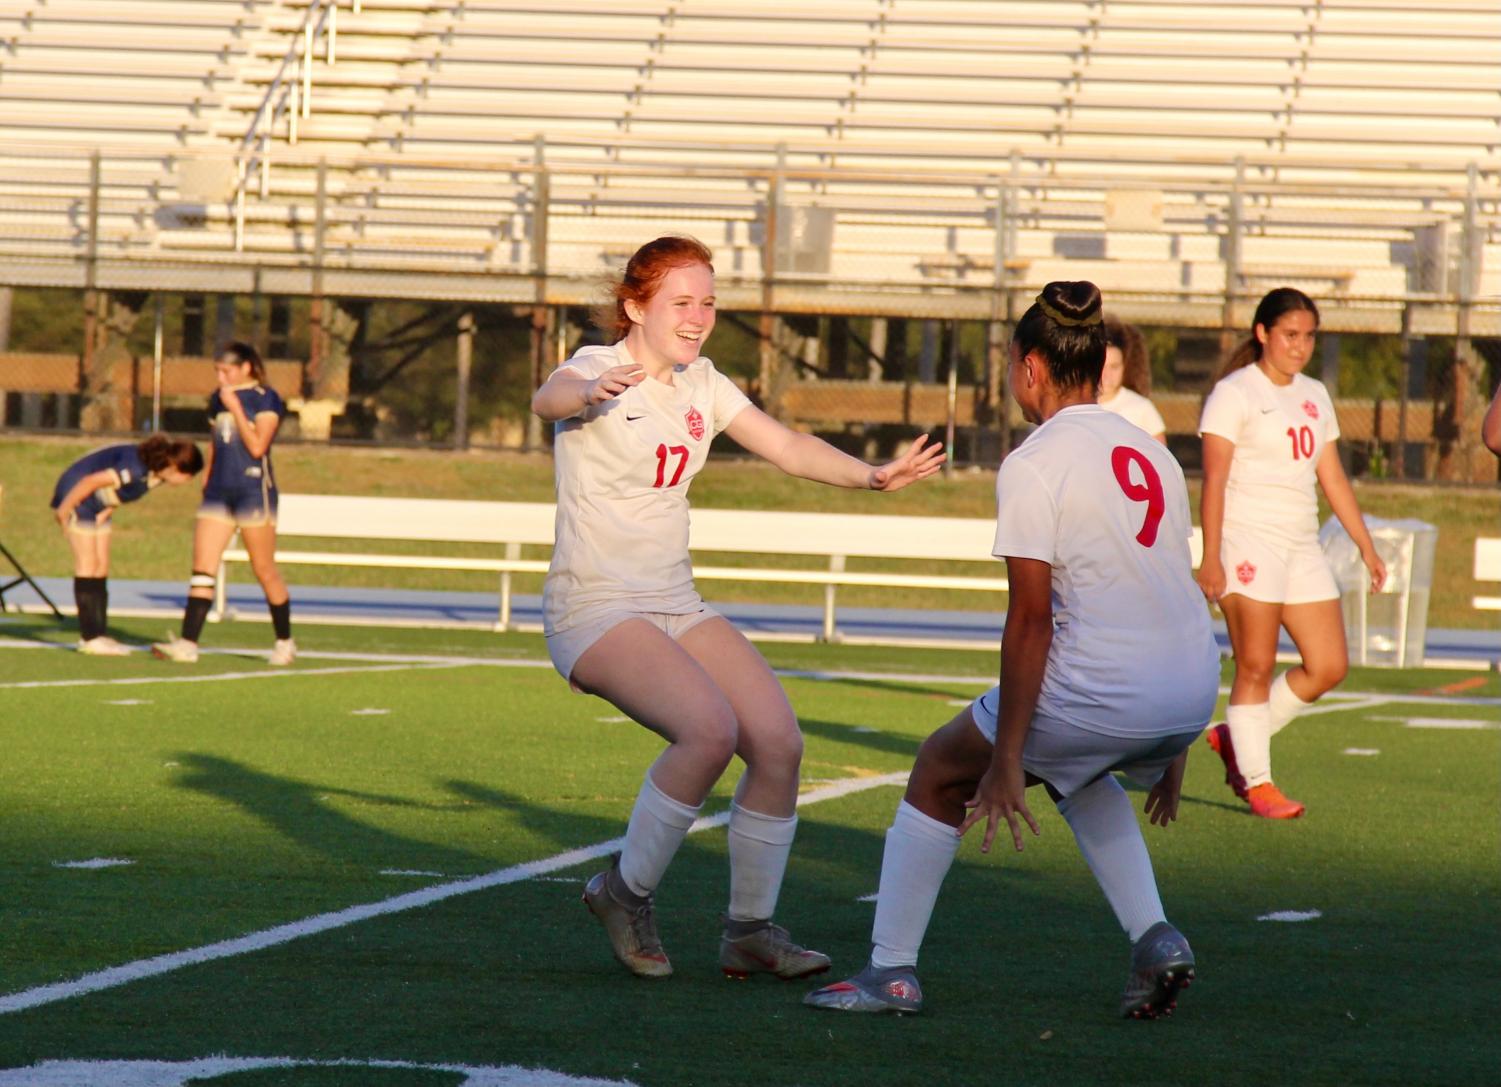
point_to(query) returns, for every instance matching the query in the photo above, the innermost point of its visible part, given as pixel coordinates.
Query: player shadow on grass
(559, 828)
(1131, 787)
(300, 812)
(875, 739)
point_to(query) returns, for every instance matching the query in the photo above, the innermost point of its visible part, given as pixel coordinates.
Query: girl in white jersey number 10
(1269, 434)
(624, 621)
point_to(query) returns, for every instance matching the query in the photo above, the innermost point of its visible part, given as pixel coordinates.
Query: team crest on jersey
(1310, 409)
(1246, 572)
(695, 424)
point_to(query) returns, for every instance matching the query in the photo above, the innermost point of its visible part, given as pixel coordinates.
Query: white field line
(115, 976)
(139, 1073)
(220, 677)
(1331, 702)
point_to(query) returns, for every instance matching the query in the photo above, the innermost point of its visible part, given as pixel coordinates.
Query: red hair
(644, 273)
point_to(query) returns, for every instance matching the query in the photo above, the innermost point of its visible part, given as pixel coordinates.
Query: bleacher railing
(289, 97)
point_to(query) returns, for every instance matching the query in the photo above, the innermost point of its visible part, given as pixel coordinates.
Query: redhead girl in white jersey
(624, 621)
(1269, 434)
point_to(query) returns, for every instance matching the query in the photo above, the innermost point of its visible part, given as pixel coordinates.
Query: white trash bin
(1386, 629)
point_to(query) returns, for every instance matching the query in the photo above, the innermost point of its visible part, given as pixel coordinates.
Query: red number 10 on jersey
(1149, 490)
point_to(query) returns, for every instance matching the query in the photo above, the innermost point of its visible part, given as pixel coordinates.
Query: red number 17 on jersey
(1149, 490)
(663, 451)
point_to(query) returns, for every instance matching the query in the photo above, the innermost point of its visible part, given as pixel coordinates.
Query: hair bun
(1071, 303)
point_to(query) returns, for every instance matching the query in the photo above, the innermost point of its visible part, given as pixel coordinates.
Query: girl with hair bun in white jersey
(1269, 435)
(1092, 518)
(1126, 380)
(623, 620)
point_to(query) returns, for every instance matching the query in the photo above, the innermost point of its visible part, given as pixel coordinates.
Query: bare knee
(1254, 671)
(1325, 675)
(716, 737)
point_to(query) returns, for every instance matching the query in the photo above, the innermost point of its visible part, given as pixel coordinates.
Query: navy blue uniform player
(240, 496)
(84, 501)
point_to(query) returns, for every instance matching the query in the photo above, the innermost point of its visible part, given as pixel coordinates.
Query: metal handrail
(290, 94)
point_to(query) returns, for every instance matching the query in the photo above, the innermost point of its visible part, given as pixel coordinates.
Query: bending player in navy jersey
(240, 494)
(85, 499)
(1092, 519)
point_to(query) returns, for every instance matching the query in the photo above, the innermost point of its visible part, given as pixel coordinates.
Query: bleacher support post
(464, 358)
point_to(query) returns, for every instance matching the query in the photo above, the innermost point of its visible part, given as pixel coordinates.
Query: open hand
(918, 462)
(1162, 801)
(611, 383)
(1001, 794)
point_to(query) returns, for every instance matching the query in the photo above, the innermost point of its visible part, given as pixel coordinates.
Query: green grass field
(152, 539)
(392, 762)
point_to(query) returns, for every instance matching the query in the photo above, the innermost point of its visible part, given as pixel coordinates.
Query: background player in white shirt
(1092, 518)
(624, 621)
(1126, 380)
(1269, 434)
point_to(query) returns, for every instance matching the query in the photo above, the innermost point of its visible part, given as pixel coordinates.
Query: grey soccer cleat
(894, 989)
(1162, 963)
(629, 922)
(766, 950)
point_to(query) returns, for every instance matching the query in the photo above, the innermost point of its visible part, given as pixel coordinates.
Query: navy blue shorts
(244, 506)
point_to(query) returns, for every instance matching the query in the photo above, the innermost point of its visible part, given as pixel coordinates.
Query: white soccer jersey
(1279, 433)
(1135, 408)
(623, 469)
(1106, 506)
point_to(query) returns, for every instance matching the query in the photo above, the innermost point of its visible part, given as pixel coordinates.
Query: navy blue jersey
(131, 479)
(234, 469)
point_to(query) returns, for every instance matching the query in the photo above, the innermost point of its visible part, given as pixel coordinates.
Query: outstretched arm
(1490, 426)
(1342, 501)
(807, 457)
(567, 392)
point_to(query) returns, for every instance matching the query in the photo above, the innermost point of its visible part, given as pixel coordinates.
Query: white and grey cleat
(177, 650)
(893, 989)
(629, 921)
(283, 653)
(1162, 965)
(747, 948)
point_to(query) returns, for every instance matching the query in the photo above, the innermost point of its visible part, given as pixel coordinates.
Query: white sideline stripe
(94, 862)
(1362, 751)
(1326, 704)
(222, 676)
(115, 976)
(1292, 915)
(138, 1073)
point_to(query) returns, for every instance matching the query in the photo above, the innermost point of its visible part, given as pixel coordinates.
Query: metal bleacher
(919, 153)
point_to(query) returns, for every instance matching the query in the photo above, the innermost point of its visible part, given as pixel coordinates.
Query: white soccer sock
(1284, 704)
(1105, 827)
(1251, 735)
(657, 827)
(759, 847)
(919, 852)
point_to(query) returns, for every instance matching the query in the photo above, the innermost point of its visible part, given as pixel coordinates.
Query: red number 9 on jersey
(1149, 490)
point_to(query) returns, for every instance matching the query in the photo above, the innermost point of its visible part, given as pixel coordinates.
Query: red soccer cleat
(1268, 802)
(1218, 737)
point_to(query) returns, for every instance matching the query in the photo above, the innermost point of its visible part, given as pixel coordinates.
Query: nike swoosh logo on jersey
(632, 418)
(1267, 411)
